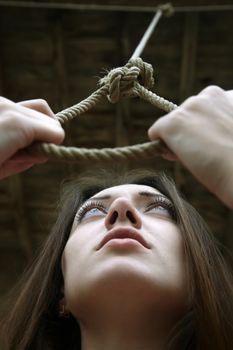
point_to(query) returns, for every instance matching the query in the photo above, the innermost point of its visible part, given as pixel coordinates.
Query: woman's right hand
(20, 125)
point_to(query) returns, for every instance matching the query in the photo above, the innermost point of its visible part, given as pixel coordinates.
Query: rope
(145, 150)
(133, 80)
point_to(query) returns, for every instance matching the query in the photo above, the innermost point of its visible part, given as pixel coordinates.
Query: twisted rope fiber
(147, 149)
(132, 80)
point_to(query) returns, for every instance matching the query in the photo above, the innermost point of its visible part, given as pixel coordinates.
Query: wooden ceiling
(58, 53)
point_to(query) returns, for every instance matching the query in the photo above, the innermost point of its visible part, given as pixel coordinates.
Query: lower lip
(123, 243)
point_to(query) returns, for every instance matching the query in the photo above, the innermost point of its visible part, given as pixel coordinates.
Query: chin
(121, 276)
(124, 281)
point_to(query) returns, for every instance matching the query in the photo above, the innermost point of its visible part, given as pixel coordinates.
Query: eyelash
(165, 203)
(159, 201)
(93, 204)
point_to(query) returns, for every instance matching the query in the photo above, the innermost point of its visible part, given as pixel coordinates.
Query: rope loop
(122, 81)
(134, 79)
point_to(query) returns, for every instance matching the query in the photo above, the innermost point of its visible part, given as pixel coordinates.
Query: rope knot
(122, 81)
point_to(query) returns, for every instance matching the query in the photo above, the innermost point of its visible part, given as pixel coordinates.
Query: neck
(125, 327)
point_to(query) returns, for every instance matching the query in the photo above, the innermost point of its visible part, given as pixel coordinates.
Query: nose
(122, 211)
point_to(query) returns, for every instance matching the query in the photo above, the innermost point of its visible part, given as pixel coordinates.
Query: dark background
(59, 54)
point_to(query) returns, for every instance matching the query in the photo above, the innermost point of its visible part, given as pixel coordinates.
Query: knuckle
(4, 103)
(212, 90)
(177, 119)
(189, 101)
(2, 99)
(42, 102)
(209, 92)
(195, 102)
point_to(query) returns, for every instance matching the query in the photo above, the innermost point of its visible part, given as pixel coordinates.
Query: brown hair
(33, 321)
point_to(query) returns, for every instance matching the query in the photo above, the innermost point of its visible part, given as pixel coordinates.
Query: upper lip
(124, 232)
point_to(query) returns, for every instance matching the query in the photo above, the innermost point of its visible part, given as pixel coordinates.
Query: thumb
(155, 134)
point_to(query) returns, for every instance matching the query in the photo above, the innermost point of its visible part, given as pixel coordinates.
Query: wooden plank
(122, 113)
(189, 49)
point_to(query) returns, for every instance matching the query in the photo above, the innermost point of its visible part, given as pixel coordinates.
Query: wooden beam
(189, 53)
(122, 114)
(61, 76)
(72, 6)
(123, 107)
(59, 62)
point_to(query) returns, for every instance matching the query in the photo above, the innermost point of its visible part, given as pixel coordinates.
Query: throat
(125, 330)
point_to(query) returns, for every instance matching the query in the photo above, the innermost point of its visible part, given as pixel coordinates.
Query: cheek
(72, 255)
(72, 267)
(79, 251)
(174, 251)
(76, 258)
(173, 264)
(177, 263)
(77, 244)
(168, 251)
(173, 246)
(165, 234)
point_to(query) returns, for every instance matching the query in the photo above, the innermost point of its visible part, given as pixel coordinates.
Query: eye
(163, 207)
(89, 210)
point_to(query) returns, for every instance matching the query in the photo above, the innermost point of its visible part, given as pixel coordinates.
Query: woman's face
(124, 240)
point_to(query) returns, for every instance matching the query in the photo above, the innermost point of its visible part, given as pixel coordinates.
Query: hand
(199, 133)
(20, 125)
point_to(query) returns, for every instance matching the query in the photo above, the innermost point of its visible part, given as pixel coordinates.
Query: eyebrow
(100, 197)
(150, 194)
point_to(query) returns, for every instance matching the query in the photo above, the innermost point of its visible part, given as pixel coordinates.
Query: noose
(135, 79)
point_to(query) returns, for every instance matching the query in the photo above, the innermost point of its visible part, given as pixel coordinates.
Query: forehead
(126, 190)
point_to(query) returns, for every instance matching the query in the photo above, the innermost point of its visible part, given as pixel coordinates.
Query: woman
(129, 265)
(204, 319)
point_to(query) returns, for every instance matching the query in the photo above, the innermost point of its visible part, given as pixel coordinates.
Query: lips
(122, 233)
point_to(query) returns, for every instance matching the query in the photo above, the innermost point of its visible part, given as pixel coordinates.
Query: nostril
(131, 217)
(113, 218)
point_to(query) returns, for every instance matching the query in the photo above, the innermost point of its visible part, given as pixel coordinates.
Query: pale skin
(20, 125)
(125, 295)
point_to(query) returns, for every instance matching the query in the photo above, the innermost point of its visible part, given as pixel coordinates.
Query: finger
(230, 93)
(13, 110)
(155, 131)
(25, 130)
(34, 114)
(40, 131)
(20, 162)
(211, 91)
(169, 155)
(11, 168)
(23, 156)
(39, 105)
(214, 89)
